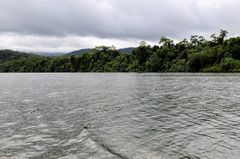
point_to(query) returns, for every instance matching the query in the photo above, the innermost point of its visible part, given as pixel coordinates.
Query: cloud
(30, 43)
(116, 19)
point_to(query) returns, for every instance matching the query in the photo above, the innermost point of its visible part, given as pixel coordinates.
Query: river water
(120, 116)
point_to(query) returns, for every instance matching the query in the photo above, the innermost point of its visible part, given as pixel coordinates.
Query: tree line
(196, 54)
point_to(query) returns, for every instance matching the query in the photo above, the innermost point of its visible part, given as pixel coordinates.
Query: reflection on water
(120, 116)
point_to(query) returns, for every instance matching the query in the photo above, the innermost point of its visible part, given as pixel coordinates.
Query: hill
(49, 54)
(195, 55)
(128, 50)
(79, 52)
(8, 55)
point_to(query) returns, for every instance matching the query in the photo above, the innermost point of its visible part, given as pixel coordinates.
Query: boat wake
(84, 146)
(94, 143)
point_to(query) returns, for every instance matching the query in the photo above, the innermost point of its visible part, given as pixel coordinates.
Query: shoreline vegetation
(194, 55)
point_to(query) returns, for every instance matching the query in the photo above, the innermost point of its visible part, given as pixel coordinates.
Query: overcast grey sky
(65, 25)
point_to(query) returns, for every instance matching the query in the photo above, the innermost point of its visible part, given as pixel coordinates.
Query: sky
(67, 25)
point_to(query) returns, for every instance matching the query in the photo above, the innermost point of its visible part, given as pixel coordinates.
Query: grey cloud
(140, 19)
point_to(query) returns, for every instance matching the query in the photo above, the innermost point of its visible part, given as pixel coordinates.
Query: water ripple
(120, 116)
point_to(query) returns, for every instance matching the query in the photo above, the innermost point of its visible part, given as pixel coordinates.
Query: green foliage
(179, 66)
(141, 54)
(29, 64)
(74, 63)
(226, 65)
(194, 55)
(8, 55)
(233, 47)
(208, 57)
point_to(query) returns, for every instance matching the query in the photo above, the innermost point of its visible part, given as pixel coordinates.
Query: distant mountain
(128, 50)
(7, 55)
(79, 52)
(49, 54)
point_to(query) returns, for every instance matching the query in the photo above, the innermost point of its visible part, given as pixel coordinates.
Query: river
(120, 116)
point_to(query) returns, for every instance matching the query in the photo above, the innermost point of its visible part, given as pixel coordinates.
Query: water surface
(120, 116)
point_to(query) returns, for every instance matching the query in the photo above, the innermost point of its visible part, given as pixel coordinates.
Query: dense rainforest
(194, 55)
